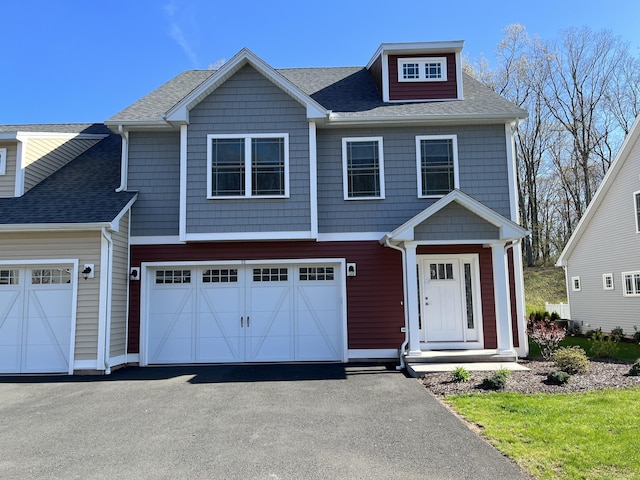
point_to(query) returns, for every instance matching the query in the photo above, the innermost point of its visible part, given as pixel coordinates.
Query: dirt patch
(603, 373)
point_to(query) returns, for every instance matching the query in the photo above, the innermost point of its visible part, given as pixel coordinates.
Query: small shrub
(547, 335)
(636, 334)
(603, 346)
(617, 334)
(496, 381)
(460, 374)
(634, 371)
(558, 377)
(571, 360)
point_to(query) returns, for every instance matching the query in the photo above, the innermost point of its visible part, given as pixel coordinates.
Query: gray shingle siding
(455, 222)
(154, 171)
(482, 166)
(248, 103)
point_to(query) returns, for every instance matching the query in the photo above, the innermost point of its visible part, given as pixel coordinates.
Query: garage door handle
(247, 321)
(241, 322)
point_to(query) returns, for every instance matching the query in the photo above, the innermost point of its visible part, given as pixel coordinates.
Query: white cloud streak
(177, 20)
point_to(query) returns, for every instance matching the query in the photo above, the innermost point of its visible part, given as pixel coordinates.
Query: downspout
(107, 279)
(124, 159)
(406, 314)
(508, 246)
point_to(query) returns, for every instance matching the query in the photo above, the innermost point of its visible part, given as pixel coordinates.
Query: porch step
(460, 356)
(419, 369)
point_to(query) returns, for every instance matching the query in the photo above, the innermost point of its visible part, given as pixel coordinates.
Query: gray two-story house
(315, 214)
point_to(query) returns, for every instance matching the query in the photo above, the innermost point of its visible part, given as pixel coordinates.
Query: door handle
(248, 321)
(241, 322)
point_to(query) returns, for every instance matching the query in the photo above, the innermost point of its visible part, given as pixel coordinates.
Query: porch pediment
(457, 217)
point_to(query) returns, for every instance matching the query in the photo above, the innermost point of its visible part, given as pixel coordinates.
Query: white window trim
(345, 176)
(3, 161)
(456, 179)
(606, 276)
(422, 61)
(625, 292)
(247, 164)
(576, 287)
(635, 211)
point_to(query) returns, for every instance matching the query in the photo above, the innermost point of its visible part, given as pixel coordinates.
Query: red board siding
(423, 90)
(375, 313)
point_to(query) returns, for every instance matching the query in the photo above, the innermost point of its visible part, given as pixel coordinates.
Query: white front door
(244, 313)
(35, 319)
(449, 297)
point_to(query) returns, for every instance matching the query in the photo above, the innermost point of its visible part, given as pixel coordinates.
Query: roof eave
(53, 227)
(411, 48)
(335, 118)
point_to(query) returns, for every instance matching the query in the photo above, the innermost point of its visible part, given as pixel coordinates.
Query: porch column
(411, 277)
(502, 297)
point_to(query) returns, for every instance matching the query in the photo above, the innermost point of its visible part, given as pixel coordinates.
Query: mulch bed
(603, 373)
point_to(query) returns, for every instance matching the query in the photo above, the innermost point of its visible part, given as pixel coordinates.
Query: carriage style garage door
(36, 305)
(244, 313)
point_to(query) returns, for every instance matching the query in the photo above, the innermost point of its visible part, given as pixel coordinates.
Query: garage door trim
(146, 276)
(73, 262)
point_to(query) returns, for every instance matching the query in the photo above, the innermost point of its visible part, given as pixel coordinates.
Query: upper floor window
(607, 281)
(422, 69)
(437, 163)
(631, 283)
(3, 161)
(636, 197)
(248, 165)
(363, 168)
(575, 284)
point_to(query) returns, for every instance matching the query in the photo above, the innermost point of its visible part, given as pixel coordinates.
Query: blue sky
(74, 61)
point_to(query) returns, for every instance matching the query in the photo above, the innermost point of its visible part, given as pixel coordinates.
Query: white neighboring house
(602, 258)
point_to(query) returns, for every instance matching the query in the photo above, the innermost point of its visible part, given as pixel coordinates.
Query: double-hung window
(422, 69)
(363, 168)
(636, 198)
(631, 284)
(254, 165)
(437, 165)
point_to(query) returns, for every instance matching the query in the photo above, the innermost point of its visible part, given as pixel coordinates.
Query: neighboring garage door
(35, 319)
(244, 313)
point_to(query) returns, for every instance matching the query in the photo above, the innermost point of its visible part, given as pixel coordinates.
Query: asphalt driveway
(237, 422)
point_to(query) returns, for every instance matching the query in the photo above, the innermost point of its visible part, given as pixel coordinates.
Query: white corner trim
(313, 178)
(182, 222)
(3, 161)
(156, 240)
(21, 161)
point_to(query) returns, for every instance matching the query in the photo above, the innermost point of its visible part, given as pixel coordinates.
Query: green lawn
(628, 352)
(590, 435)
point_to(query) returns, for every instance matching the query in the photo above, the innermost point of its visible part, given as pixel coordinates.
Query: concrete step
(460, 356)
(419, 369)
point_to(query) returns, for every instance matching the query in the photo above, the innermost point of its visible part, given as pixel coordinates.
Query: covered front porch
(464, 299)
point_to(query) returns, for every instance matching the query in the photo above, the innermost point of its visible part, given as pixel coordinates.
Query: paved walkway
(237, 422)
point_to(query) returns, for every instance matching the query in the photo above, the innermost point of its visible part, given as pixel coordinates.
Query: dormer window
(423, 69)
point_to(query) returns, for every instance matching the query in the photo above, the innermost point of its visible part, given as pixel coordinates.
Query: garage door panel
(36, 310)
(250, 313)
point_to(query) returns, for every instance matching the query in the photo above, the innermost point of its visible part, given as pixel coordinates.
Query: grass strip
(590, 435)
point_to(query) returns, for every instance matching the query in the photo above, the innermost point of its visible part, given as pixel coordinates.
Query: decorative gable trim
(179, 114)
(508, 230)
(608, 180)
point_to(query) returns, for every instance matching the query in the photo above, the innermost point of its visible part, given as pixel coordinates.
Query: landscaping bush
(558, 377)
(636, 334)
(603, 346)
(634, 371)
(460, 374)
(496, 381)
(617, 334)
(547, 335)
(571, 360)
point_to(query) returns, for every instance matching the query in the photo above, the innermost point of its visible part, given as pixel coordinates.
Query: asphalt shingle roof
(346, 91)
(83, 191)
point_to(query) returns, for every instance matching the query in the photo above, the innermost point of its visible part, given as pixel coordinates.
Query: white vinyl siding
(3, 161)
(8, 179)
(251, 165)
(120, 284)
(363, 168)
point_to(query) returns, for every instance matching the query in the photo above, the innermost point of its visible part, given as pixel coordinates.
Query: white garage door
(35, 319)
(244, 313)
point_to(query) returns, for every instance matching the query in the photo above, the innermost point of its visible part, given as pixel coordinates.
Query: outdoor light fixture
(88, 270)
(351, 269)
